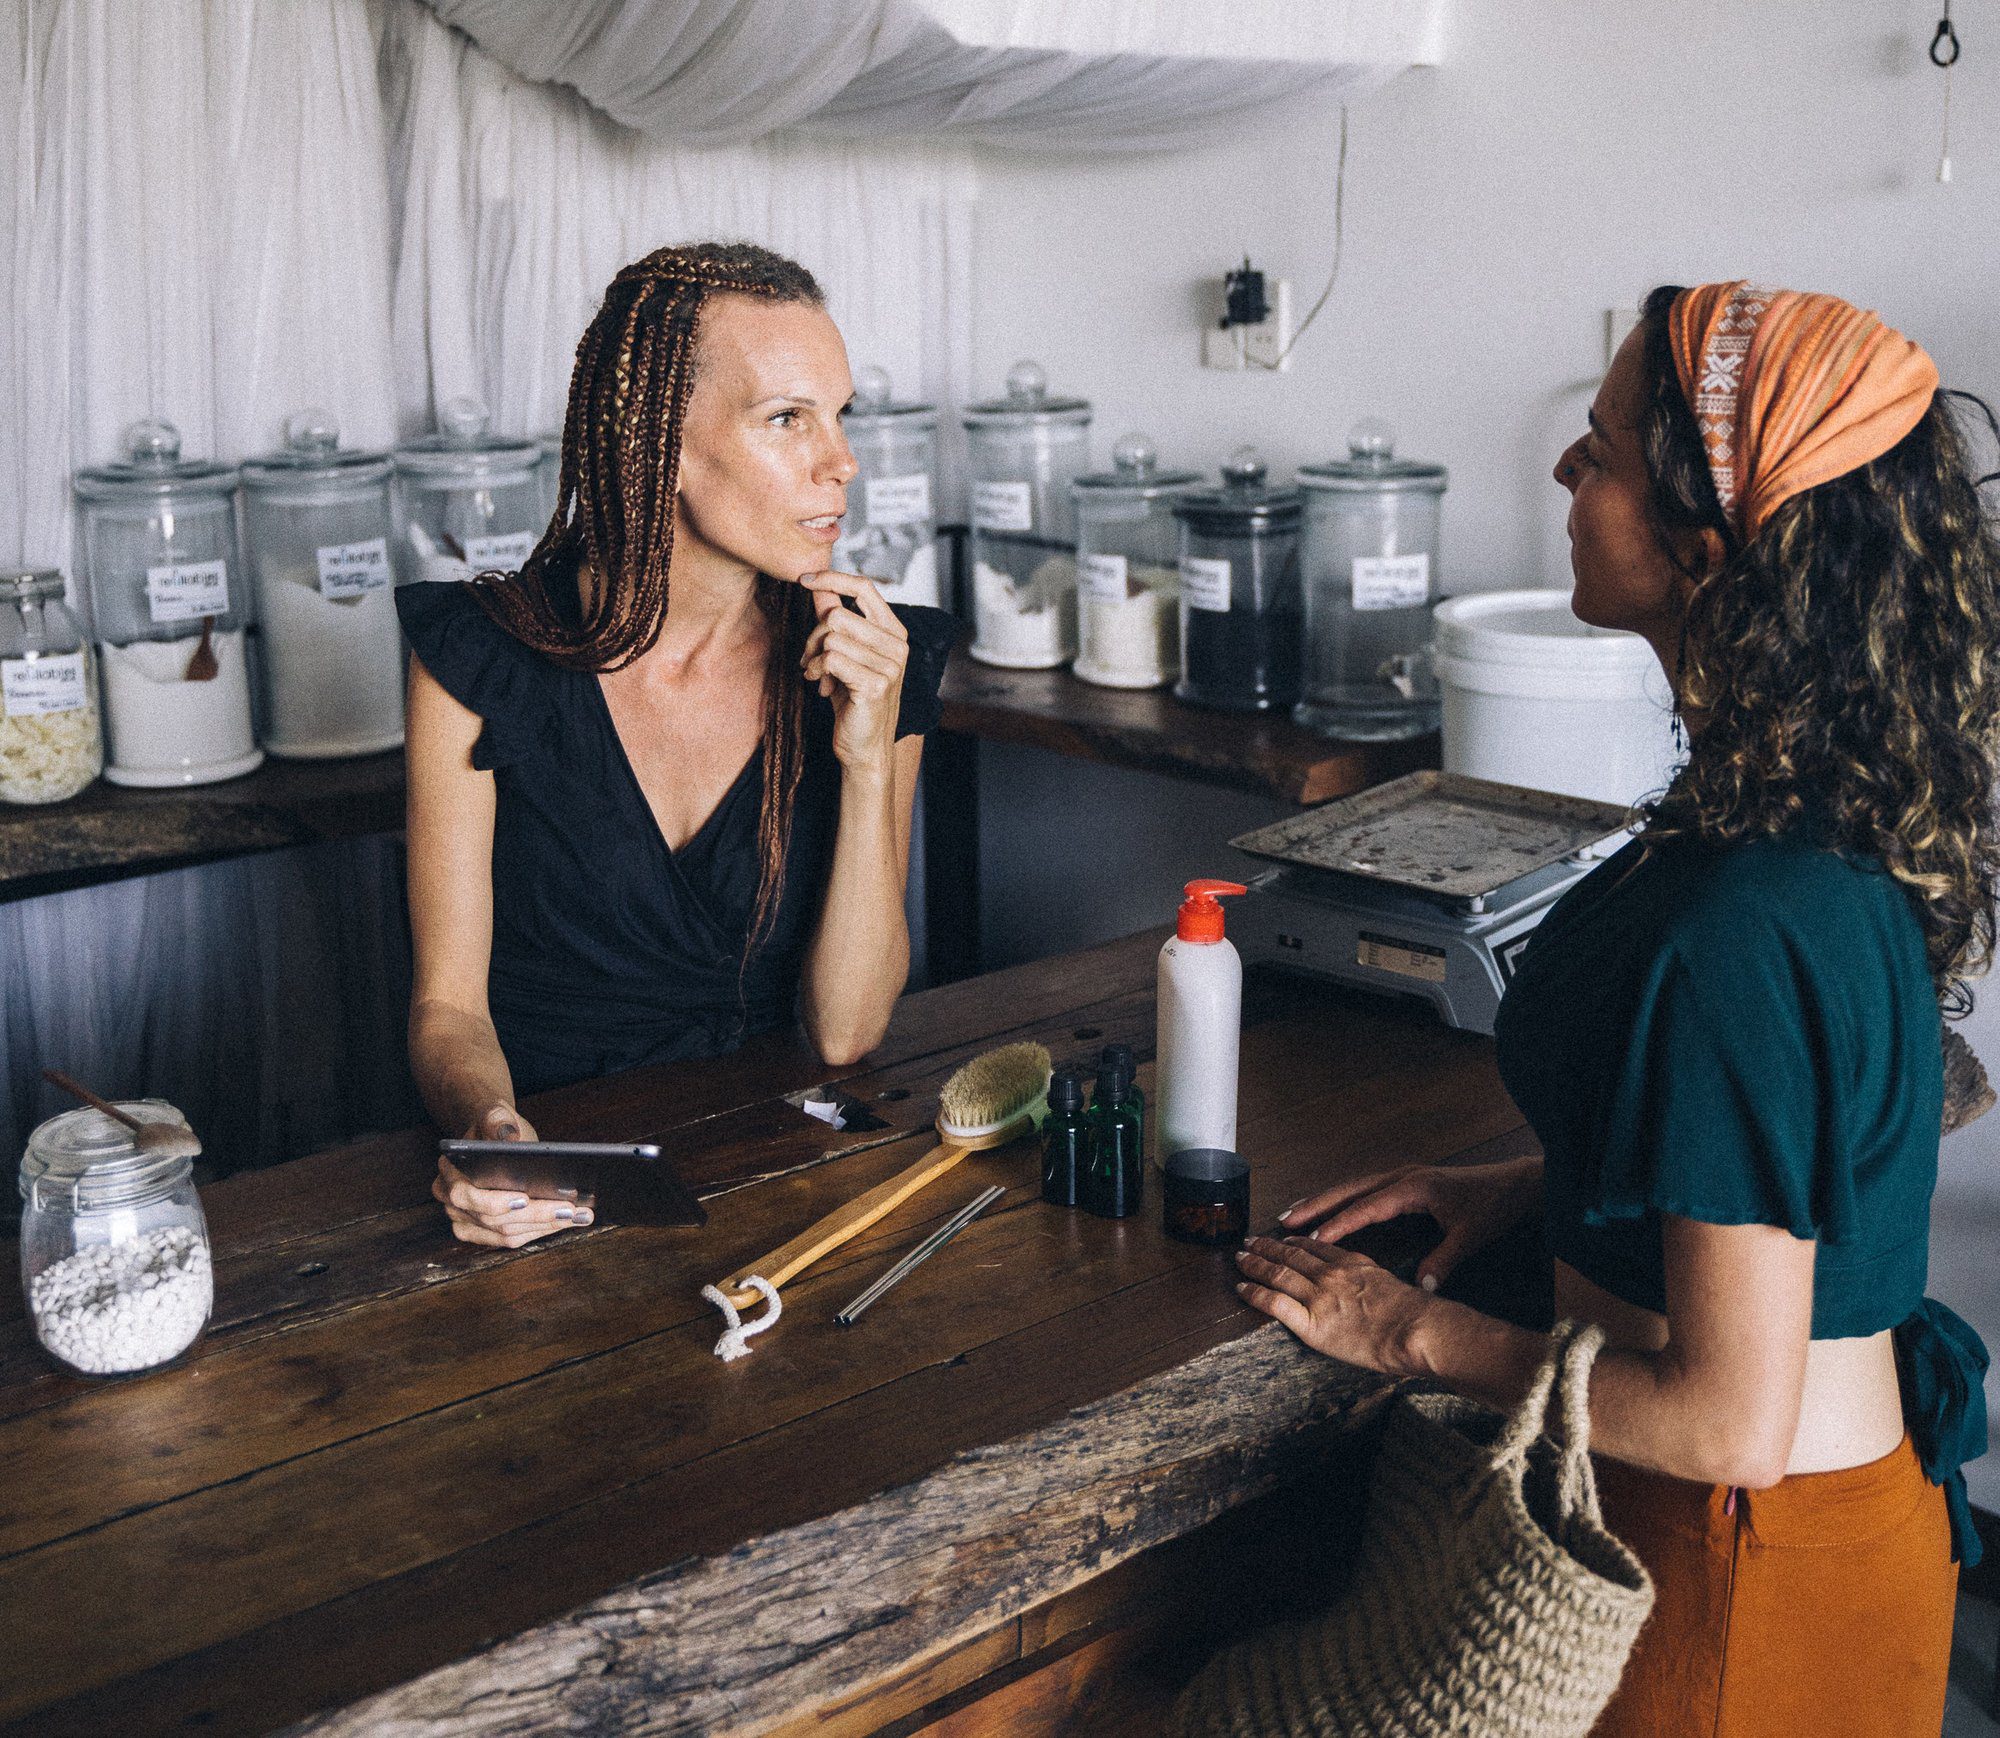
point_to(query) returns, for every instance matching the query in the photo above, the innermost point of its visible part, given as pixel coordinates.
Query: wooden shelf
(1153, 732)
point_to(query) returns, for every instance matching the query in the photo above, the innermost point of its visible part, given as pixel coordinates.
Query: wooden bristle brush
(993, 1099)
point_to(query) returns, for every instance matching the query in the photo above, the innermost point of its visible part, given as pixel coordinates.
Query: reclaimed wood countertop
(405, 1483)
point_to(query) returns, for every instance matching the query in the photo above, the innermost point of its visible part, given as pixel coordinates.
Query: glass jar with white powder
(114, 1245)
(51, 740)
(890, 532)
(1128, 572)
(316, 537)
(467, 501)
(171, 611)
(1024, 451)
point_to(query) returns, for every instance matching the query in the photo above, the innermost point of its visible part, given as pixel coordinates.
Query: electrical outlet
(1255, 346)
(1264, 344)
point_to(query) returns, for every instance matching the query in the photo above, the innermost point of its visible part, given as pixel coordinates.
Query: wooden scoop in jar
(202, 667)
(160, 1140)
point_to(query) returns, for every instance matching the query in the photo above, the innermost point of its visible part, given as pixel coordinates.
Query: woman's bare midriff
(1850, 1413)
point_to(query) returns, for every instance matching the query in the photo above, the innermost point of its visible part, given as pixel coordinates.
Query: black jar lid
(1245, 503)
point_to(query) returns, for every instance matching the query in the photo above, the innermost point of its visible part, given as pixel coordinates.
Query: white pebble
(114, 1307)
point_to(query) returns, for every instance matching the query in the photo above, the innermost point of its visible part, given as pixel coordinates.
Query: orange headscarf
(1791, 390)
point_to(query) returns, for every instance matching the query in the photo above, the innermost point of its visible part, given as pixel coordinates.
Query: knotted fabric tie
(735, 1341)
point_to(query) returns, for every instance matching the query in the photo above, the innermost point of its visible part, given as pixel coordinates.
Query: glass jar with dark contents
(1206, 1196)
(1242, 621)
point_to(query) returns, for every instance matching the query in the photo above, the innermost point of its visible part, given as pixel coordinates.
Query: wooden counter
(403, 1481)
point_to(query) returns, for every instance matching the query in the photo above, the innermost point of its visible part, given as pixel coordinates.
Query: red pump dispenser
(1200, 918)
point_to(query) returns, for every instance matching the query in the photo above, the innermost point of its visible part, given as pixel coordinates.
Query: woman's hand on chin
(857, 659)
(1338, 1302)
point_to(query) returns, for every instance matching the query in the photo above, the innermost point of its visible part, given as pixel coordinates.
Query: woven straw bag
(1487, 1597)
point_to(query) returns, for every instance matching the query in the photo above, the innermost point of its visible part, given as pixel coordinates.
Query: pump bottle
(1201, 1022)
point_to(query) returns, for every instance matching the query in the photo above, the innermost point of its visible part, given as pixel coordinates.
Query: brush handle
(844, 1222)
(76, 1089)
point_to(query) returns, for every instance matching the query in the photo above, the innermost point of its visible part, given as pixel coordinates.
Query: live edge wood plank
(423, 1454)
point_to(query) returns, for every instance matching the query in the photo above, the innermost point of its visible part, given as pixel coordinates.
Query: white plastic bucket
(1533, 696)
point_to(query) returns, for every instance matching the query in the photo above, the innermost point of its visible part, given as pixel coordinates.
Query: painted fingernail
(566, 1213)
(1242, 1285)
(567, 1194)
(1293, 1208)
(1429, 1282)
(515, 1205)
(583, 1216)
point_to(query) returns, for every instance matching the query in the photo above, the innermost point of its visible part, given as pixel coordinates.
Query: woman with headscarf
(661, 779)
(1727, 1036)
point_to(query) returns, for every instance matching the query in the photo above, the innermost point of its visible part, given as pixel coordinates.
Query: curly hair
(1846, 666)
(621, 454)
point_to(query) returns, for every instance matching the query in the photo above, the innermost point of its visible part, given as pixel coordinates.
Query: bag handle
(1561, 1384)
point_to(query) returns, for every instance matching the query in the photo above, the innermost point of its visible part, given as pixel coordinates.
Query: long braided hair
(614, 517)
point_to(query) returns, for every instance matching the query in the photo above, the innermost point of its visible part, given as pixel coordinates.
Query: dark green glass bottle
(1122, 1058)
(1066, 1140)
(1116, 1176)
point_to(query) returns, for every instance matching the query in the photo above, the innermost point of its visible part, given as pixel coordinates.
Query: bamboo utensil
(164, 1140)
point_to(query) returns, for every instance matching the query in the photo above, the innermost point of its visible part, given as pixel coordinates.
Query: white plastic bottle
(1201, 1023)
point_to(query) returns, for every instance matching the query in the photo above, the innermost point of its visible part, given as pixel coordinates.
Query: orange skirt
(1821, 1606)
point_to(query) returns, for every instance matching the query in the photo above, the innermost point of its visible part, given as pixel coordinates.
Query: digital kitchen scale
(1428, 886)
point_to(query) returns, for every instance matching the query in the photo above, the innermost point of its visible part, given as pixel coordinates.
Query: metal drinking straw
(922, 1253)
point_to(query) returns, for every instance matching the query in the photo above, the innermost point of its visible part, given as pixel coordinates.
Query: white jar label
(1391, 582)
(1003, 507)
(1103, 578)
(43, 682)
(500, 554)
(187, 591)
(350, 569)
(1205, 582)
(897, 500)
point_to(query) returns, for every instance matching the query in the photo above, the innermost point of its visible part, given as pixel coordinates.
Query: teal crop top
(1747, 1034)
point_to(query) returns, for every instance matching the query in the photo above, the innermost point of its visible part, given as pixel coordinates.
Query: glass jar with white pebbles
(114, 1245)
(1024, 451)
(1128, 568)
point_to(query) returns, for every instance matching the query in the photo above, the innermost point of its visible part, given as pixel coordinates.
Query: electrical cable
(1339, 229)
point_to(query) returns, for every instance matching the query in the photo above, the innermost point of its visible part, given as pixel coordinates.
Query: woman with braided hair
(1726, 1038)
(661, 779)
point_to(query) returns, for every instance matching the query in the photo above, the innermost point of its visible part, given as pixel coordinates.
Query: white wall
(1562, 160)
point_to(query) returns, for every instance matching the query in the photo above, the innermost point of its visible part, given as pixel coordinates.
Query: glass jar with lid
(114, 1245)
(1240, 616)
(172, 613)
(467, 501)
(316, 534)
(1370, 560)
(890, 532)
(1024, 451)
(1128, 572)
(51, 740)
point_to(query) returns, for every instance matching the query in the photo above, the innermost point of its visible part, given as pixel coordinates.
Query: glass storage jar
(1024, 451)
(51, 740)
(114, 1245)
(316, 534)
(1240, 618)
(1128, 577)
(466, 501)
(172, 613)
(890, 532)
(1370, 559)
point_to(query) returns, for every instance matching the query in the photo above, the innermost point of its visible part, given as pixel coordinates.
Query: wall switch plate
(1259, 347)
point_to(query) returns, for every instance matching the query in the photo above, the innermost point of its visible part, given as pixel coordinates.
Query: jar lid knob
(871, 388)
(1371, 441)
(462, 420)
(1244, 468)
(153, 441)
(1027, 383)
(1134, 455)
(312, 431)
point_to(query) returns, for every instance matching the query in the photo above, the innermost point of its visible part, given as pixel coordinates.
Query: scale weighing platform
(1428, 886)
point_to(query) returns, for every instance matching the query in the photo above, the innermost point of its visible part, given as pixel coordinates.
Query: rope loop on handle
(1944, 45)
(735, 1341)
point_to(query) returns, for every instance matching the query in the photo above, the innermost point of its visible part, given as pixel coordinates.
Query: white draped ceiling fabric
(223, 211)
